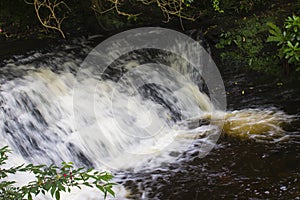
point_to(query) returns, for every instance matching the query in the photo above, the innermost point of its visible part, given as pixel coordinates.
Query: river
(42, 124)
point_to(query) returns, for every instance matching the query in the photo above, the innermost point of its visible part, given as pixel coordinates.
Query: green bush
(245, 45)
(51, 179)
(287, 40)
(242, 6)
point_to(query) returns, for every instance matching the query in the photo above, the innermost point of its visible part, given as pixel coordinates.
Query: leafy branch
(51, 179)
(287, 40)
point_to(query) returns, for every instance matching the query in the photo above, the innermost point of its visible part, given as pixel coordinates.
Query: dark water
(236, 168)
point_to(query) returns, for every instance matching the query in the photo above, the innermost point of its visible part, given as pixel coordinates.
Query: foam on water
(127, 129)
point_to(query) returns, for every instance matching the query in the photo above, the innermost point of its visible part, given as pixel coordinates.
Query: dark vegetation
(251, 35)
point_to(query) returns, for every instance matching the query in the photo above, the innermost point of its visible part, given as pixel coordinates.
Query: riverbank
(237, 36)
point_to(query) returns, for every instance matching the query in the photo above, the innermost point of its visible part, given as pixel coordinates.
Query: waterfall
(129, 128)
(37, 115)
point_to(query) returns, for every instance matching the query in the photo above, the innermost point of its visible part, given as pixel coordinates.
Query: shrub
(51, 179)
(245, 45)
(287, 40)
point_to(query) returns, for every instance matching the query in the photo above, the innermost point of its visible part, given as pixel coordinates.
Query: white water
(39, 121)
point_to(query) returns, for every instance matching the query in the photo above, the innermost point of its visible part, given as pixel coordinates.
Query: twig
(52, 17)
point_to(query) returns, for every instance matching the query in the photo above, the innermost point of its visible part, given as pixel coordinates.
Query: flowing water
(256, 157)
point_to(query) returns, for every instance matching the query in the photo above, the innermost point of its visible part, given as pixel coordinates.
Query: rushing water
(257, 157)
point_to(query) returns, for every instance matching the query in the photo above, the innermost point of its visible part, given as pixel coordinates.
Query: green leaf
(78, 186)
(29, 196)
(47, 186)
(107, 177)
(290, 44)
(274, 39)
(61, 187)
(273, 26)
(100, 188)
(57, 195)
(87, 184)
(110, 191)
(53, 189)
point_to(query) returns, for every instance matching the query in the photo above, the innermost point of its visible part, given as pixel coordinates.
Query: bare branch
(52, 21)
(169, 8)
